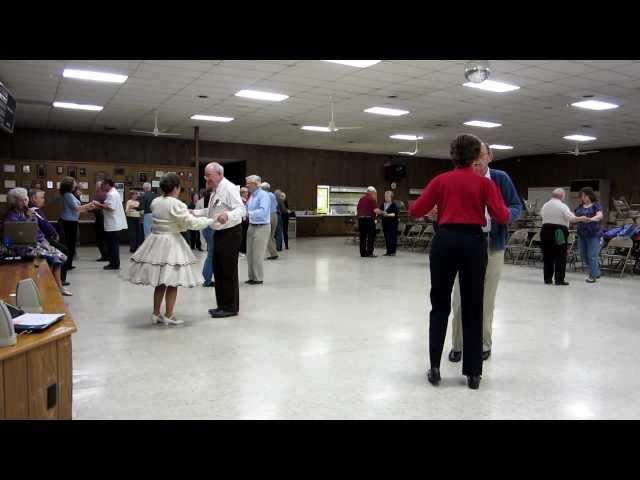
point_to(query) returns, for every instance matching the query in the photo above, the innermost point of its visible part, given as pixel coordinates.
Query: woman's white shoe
(65, 292)
(172, 321)
(155, 319)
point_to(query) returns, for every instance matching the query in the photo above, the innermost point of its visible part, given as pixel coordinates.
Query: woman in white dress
(165, 260)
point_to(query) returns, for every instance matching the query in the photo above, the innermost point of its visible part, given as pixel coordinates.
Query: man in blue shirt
(271, 247)
(259, 214)
(497, 236)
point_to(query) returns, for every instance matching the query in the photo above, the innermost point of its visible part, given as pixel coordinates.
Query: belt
(259, 224)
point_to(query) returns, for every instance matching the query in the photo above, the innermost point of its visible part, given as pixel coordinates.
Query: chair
(424, 238)
(572, 253)
(516, 244)
(413, 233)
(616, 255)
(534, 250)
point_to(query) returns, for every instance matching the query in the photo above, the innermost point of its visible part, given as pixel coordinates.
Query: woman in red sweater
(459, 248)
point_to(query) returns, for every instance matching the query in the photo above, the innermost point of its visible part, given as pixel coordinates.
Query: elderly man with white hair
(271, 247)
(145, 206)
(258, 234)
(556, 217)
(367, 210)
(227, 209)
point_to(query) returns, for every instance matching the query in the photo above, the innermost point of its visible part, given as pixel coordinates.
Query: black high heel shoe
(473, 381)
(433, 375)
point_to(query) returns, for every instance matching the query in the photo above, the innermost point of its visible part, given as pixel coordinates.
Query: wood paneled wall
(621, 166)
(297, 171)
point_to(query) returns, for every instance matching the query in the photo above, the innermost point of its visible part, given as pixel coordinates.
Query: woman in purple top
(20, 212)
(590, 232)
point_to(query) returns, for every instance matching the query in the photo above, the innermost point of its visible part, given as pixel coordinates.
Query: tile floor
(332, 336)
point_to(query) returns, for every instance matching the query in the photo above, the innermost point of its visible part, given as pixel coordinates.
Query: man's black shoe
(562, 283)
(102, 259)
(548, 282)
(213, 311)
(65, 284)
(486, 355)
(272, 258)
(473, 381)
(223, 314)
(250, 282)
(454, 356)
(433, 375)
(110, 267)
(257, 282)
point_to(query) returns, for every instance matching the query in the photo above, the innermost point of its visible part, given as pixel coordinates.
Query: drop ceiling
(534, 118)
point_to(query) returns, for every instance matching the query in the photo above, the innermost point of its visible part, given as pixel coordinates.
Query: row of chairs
(414, 236)
(615, 256)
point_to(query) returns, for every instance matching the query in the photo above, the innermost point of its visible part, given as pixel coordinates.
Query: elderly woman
(390, 212)
(19, 211)
(134, 221)
(590, 231)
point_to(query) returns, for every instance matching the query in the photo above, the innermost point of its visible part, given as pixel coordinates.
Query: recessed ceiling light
(355, 63)
(595, 105)
(257, 95)
(203, 96)
(110, 128)
(94, 76)
(211, 118)
(492, 86)
(406, 137)
(77, 106)
(579, 138)
(394, 112)
(313, 128)
(480, 123)
(501, 147)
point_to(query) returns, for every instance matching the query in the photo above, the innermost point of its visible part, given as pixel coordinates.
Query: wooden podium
(36, 374)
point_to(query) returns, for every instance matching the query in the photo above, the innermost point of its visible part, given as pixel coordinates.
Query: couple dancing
(166, 262)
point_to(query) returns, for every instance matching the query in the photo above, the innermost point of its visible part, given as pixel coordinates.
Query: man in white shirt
(556, 216)
(114, 221)
(227, 209)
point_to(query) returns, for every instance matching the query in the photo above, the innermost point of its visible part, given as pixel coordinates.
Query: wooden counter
(324, 225)
(36, 373)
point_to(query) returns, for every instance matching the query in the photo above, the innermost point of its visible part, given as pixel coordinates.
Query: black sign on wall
(7, 109)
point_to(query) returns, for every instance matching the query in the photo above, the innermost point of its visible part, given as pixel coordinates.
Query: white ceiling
(534, 118)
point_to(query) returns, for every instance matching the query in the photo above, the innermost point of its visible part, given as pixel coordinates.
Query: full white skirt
(164, 259)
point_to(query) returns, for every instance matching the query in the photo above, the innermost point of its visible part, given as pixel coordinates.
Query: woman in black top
(390, 212)
(194, 235)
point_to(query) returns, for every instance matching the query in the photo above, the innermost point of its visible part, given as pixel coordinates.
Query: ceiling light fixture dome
(477, 71)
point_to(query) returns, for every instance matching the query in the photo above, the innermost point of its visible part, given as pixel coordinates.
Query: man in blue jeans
(208, 234)
(207, 268)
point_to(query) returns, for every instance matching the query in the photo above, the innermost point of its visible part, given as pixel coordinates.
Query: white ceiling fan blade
(143, 131)
(161, 134)
(587, 152)
(408, 153)
(347, 128)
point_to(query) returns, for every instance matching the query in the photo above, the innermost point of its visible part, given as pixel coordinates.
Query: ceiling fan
(331, 128)
(156, 132)
(411, 153)
(576, 151)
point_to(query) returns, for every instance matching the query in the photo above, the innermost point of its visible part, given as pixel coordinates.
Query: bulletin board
(48, 174)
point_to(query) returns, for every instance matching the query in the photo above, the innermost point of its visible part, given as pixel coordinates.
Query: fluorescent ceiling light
(355, 63)
(257, 95)
(579, 138)
(77, 106)
(501, 147)
(394, 112)
(211, 118)
(595, 105)
(94, 76)
(315, 129)
(406, 137)
(492, 86)
(480, 123)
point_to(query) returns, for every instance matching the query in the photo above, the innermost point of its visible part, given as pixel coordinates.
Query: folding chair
(413, 233)
(516, 244)
(572, 255)
(616, 255)
(534, 250)
(424, 238)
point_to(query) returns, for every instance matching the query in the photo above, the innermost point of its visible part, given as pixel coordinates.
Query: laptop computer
(20, 233)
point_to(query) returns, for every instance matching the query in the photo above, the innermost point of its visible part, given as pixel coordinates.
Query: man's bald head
(558, 193)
